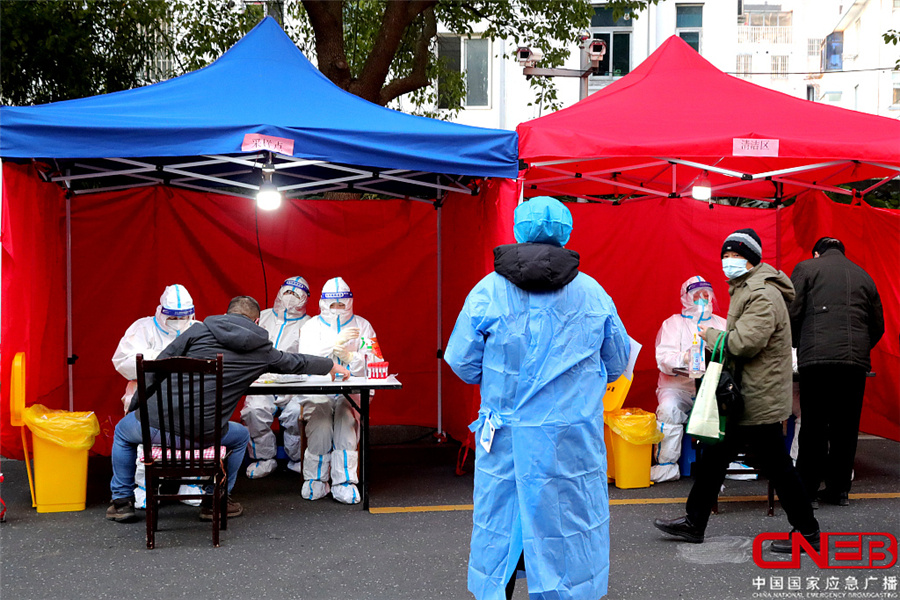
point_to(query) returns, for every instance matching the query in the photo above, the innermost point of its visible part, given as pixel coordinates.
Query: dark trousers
(511, 584)
(831, 398)
(766, 443)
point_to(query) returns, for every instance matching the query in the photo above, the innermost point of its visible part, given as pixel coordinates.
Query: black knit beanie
(746, 243)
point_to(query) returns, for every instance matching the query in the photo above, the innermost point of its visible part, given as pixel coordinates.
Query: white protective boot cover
(667, 452)
(261, 468)
(316, 468)
(140, 480)
(343, 476)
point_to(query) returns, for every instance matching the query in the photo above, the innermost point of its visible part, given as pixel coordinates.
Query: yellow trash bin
(613, 399)
(61, 441)
(633, 432)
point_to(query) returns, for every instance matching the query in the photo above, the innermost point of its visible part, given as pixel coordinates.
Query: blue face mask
(701, 302)
(734, 267)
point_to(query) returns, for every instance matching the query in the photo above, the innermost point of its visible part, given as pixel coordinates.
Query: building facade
(821, 50)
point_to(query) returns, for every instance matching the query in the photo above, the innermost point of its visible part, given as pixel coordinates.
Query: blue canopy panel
(261, 96)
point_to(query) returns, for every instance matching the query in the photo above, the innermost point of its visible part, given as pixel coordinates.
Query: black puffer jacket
(836, 317)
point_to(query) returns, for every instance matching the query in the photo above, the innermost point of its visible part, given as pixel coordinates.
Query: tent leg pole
(440, 411)
(69, 298)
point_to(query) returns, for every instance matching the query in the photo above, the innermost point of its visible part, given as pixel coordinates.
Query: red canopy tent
(656, 131)
(631, 154)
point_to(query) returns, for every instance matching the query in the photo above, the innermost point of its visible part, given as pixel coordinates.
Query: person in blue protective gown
(542, 340)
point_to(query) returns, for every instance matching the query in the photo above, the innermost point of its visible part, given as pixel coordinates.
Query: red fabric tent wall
(126, 246)
(641, 252)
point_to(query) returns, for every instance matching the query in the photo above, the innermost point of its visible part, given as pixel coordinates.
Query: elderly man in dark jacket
(836, 319)
(247, 354)
(758, 346)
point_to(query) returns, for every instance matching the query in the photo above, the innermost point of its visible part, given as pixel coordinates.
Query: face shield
(176, 309)
(291, 298)
(336, 292)
(697, 298)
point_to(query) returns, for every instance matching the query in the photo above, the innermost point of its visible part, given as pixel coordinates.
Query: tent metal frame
(649, 187)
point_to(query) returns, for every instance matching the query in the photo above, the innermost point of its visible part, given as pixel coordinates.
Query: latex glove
(686, 359)
(343, 353)
(338, 369)
(351, 333)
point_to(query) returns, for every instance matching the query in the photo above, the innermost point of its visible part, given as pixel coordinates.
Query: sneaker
(681, 527)
(261, 468)
(206, 510)
(787, 546)
(121, 510)
(837, 499)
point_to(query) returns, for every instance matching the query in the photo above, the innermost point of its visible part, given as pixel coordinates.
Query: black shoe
(206, 509)
(837, 499)
(680, 527)
(121, 510)
(786, 546)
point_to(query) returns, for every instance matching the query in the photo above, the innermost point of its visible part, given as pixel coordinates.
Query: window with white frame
(744, 65)
(779, 66)
(472, 58)
(689, 24)
(814, 46)
(617, 35)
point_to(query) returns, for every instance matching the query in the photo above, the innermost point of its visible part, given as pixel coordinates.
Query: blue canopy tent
(213, 130)
(260, 113)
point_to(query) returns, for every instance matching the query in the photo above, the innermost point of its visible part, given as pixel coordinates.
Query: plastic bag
(74, 430)
(634, 425)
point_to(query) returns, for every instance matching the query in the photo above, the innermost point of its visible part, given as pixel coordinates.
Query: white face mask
(734, 267)
(178, 324)
(290, 301)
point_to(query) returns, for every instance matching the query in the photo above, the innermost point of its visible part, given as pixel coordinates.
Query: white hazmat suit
(150, 336)
(675, 393)
(332, 425)
(283, 322)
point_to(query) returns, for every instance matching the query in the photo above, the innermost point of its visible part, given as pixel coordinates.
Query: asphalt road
(415, 542)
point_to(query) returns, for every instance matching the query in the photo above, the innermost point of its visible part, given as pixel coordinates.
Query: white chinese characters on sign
(256, 141)
(754, 147)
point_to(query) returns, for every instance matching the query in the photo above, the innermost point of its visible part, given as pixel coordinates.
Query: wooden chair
(183, 390)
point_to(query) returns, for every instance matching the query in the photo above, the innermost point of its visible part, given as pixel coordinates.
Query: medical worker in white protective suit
(675, 393)
(332, 425)
(283, 322)
(149, 336)
(542, 340)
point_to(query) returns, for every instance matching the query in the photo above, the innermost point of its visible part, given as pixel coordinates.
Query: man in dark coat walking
(836, 320)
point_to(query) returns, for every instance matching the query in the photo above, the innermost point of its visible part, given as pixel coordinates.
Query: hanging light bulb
(268, 197)
(702, 190)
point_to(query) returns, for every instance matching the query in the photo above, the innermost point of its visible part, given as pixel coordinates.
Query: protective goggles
(336, 295)
(296, 285)
(699, 285)
(177, 312)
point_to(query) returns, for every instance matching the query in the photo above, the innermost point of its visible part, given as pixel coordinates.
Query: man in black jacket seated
(836, 319)
(247, 354)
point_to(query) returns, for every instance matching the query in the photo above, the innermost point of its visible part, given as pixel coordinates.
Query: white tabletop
(324, 384)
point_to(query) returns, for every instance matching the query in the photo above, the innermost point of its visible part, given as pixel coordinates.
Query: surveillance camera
(528, 57)
(596, 51)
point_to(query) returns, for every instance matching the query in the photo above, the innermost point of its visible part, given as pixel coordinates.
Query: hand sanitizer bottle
(696, 359)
